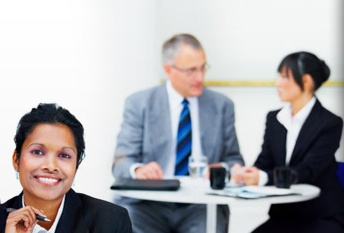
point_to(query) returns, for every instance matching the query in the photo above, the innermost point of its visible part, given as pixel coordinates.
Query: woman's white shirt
(293, 125)
(39, 229)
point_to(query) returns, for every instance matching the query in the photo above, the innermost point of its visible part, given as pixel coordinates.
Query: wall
(246, 40)
(252, 105)
(88, 56)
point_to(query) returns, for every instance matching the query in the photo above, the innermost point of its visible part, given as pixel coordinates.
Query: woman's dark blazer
(81, 214)
(312, 158)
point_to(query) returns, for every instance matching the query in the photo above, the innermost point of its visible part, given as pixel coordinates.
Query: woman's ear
(308, 82)
(15, 161)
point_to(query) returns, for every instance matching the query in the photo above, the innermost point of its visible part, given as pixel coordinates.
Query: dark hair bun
(326, 70)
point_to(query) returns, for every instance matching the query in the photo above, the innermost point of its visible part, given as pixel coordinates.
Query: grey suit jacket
(146, 135)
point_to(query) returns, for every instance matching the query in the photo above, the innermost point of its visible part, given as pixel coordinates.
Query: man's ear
(308, 82)
(15, 161)
(167, 68)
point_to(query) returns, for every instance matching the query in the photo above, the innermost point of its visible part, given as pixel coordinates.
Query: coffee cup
(284, 177)
(218, 177)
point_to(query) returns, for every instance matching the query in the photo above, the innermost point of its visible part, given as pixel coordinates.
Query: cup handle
(294, 176)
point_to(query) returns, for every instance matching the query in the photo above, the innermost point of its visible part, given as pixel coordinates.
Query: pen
(38, 217)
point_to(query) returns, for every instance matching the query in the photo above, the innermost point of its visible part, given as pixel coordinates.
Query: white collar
(175, 99)
(39, 229)
(286, 118)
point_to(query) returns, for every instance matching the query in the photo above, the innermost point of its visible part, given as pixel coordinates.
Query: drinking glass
(198, 166)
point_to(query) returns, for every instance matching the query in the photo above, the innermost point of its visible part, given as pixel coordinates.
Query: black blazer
(312, 158)
(81, 214)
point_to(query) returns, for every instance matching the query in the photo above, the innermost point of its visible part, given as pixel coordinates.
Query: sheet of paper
(252, 192)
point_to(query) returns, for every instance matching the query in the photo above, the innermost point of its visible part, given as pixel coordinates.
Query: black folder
(133, 184)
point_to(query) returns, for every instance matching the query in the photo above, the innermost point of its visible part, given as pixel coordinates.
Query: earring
(73, 183)
(17, 175)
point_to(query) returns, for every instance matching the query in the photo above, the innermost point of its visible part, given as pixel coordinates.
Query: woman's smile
(47, 163)
(47, 180)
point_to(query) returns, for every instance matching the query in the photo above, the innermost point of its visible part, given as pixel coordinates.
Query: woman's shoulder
(92, 215)
(325, 112)
(11, 203)
(93, 204)
(273, 114)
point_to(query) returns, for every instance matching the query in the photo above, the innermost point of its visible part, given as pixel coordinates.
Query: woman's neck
(49, 207)
(299, 103)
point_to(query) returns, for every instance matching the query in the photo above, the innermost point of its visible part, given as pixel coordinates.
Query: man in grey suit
(147, 143)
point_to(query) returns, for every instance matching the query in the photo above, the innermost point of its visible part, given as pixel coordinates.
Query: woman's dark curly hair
(50, 114)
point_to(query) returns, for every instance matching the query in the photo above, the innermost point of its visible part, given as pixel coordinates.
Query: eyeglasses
(193, 71)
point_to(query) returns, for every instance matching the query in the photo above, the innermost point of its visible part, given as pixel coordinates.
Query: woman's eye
(37, 152)
(65, 156)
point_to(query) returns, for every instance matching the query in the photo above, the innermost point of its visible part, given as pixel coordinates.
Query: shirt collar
(52, 229)
(286, 118)
(175, 99)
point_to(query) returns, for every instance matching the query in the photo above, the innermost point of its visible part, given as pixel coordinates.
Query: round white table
(197, 194)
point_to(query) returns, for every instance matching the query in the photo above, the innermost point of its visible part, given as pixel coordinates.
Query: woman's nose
(50, 163)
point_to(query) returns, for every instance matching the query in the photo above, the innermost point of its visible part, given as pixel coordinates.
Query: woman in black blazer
(49, 148)
(303, 136)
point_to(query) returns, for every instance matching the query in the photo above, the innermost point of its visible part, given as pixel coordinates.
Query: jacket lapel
(280, 144)
(17, 204)
(72, 219)
(159, 117)
(207, 115)
(307, 132)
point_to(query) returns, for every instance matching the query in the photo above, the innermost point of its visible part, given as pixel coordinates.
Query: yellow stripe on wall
(262, 83)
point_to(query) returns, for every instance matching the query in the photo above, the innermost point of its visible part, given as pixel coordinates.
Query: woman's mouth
(48, 180)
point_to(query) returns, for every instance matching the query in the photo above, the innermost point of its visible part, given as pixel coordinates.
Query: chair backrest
(340, 173)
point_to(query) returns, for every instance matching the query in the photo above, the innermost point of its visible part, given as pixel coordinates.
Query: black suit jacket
(312, 158)
(81, 214)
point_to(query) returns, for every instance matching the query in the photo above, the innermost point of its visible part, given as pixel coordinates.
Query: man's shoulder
(216, 97)
(147, 93)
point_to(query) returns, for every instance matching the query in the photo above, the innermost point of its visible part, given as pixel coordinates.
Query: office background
(88, 56)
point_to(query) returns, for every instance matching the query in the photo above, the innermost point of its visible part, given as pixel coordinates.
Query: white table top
(190, 193)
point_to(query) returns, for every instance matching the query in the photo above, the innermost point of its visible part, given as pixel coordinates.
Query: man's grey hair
(172, 46)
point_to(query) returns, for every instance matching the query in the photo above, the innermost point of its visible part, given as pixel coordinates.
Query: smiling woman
(49, 148)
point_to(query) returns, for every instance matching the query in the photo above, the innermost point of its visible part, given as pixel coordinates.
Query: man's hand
(150, 171)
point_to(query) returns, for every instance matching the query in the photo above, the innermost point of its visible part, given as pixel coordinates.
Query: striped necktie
(184, 141)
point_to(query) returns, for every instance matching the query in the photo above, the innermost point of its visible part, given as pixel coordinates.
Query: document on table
(252, 192)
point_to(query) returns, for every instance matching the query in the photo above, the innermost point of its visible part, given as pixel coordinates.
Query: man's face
(187, 72)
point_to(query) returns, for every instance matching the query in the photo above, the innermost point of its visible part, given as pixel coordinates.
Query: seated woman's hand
(250, 176)
(236, 173)
(22, 220)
